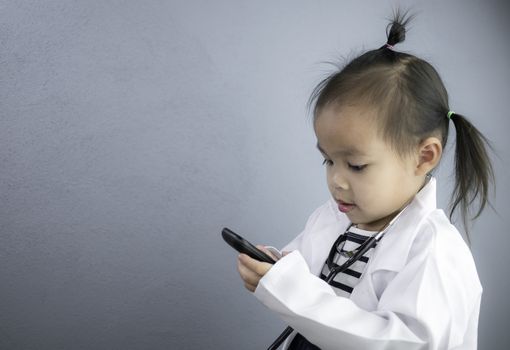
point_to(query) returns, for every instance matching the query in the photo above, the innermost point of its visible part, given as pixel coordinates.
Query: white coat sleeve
(414, 311)
(310, 306)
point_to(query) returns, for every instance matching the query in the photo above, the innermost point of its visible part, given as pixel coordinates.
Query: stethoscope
(352, 256)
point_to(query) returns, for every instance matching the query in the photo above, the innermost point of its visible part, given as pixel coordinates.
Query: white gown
(420, 288)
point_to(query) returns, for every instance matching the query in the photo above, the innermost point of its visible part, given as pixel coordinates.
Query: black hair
(412, 104)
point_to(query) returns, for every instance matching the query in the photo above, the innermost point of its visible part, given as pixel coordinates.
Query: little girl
(381, 124)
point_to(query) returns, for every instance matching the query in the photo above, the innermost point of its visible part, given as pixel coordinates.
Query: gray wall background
(131, 132)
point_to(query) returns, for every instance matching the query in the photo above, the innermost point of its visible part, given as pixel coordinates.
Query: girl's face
(366, 178)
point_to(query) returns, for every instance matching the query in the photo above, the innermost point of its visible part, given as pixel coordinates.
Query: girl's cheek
(362, 194)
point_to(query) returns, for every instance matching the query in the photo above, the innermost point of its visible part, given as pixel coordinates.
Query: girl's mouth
(345, 207)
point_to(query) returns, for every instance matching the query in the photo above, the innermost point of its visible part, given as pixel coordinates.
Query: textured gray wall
(131, 132)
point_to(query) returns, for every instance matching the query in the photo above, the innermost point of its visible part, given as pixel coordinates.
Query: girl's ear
(429, 154)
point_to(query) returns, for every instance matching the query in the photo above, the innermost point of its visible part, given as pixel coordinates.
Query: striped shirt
(344, 282)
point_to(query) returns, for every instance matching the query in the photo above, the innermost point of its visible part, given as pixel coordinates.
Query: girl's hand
(251, 270)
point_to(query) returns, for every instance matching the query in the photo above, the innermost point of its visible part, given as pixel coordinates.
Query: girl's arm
(425, 306)
(310, 306)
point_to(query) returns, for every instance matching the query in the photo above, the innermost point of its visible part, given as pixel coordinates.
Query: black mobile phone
(243, 246)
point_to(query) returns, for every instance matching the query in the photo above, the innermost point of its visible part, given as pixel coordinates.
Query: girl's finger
(261, 247)
(259, 267)
(250, 287)
(246, 274)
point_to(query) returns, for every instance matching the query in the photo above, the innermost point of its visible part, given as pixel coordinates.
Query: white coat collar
(398, 238)
(393, 249)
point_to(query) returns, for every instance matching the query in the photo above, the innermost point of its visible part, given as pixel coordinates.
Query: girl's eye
(357, 167)
(327, 162)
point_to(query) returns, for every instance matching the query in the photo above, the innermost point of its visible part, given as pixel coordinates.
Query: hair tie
(449, 115)
(389, 46)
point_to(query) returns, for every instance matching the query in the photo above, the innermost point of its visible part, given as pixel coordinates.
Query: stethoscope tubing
(334, 271)
(369, 243)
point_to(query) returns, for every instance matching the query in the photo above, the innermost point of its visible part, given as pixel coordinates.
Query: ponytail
(473, 170)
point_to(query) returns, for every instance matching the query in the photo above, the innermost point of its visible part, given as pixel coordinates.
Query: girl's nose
(339, 181)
